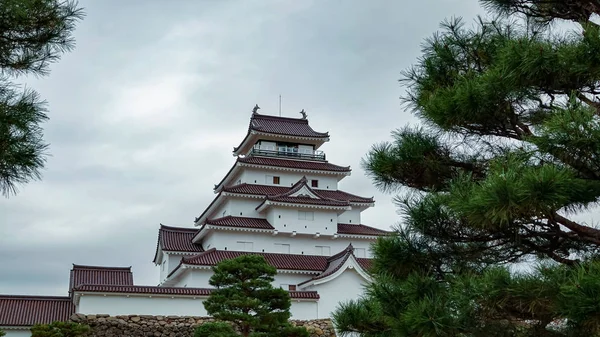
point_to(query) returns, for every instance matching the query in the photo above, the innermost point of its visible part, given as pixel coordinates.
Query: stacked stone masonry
(171, 326)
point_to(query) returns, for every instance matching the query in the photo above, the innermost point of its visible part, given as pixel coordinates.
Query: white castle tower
(280, 199)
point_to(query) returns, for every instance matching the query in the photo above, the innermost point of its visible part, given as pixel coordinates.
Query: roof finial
(303, 114)
(255, 109)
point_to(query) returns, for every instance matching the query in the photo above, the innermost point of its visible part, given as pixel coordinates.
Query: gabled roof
(100, 275)
(29, 310)
(280, 261)
(334, 263)
(281, 126)
(254, 189)
(352, 229)
(184, 291)
(301, 193)
(176, 239)
(241, 222)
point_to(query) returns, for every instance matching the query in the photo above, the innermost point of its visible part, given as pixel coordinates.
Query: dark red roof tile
(100, 275)
(266, 190)
(173, 291)
(309, 201)
(280, 261)
(143, 290)
(297, 164)
(344, 228)
(238, 221)
(29, 310)
(176, 239)
(364, 262)
(334, 263)
(341, 195)
(284, 126)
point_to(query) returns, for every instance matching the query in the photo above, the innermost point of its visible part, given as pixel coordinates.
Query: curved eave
(268, 203)
(350, 263)
(206, 228)
(253, 135)
(236, 168)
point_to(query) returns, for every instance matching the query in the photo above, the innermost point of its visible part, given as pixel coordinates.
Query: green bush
(59, 329)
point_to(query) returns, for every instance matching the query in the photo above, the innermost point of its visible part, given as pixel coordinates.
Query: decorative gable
(304, 196)
(336, 265)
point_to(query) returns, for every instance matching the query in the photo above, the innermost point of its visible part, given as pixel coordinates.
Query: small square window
(292, 287)
(276, 180)
(314, 183)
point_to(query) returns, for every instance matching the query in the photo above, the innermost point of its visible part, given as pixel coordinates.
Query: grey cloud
(146, 110)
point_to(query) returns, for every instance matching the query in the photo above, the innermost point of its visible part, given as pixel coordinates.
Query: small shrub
(59, 329)
(215, 329)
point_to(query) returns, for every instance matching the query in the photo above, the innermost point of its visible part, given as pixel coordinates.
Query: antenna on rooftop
(279, 105)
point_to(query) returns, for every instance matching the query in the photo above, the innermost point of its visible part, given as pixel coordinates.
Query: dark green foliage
(507, 155)
(245, 297)
(59, 329)
(33, 34)
(215, 329)
(2, 333)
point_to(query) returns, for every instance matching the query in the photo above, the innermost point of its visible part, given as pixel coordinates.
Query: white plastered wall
(299, 244)
(169, 305)
(347, 286)
(287, 179)
(16, 332)
(288, 220)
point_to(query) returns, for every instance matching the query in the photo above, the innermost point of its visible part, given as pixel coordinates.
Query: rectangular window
(282, 248)
(314, 183)
(359, 252)
(323, 250)
(272, 180)
(304, 215)
(245, 246)
(292, 287)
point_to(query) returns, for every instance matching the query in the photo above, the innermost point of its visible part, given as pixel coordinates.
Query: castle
(280, 199)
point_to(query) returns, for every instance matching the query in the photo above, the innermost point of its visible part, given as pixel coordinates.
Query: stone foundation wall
(171, 326)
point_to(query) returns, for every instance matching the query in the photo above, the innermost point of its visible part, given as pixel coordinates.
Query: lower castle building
(280, 199)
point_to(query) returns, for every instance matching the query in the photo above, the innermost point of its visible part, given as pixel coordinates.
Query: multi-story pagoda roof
(279, 128)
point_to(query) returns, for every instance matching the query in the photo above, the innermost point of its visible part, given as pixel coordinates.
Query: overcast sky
(147, 108)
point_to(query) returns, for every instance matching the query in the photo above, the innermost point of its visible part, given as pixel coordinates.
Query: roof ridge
(173, 228)
(185, 259)
(303, 182)
(349, 250)
(34, 297)
(233, 216)
(81, 266)
(256, 115)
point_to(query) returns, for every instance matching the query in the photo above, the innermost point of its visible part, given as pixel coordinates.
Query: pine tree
(33, 34)
(506, 157)
(245, 297)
